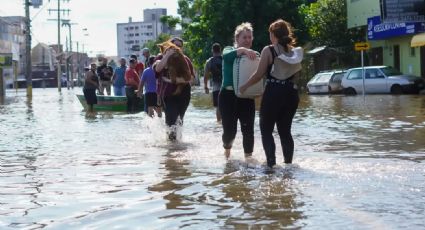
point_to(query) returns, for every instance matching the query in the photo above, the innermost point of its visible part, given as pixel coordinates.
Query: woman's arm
(251, 54)
(261, 70)
(160, 65)
(140, 89)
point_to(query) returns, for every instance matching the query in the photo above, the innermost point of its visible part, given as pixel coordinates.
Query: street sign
(359, 46)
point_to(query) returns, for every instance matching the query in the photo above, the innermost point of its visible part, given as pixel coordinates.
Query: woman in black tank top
(280, 99)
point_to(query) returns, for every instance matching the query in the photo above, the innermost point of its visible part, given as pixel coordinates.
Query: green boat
(110, 103)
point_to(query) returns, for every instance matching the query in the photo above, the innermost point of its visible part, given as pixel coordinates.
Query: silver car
(380, 79)
(326, 82)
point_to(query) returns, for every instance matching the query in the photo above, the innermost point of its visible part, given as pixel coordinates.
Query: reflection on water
(359, 164)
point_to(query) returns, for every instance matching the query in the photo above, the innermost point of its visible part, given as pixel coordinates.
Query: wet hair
(282, 30)
(246, 26)
(151, 60)
(133, 56)
(216, 48)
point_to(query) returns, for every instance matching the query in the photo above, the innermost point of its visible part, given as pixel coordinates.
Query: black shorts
(90, 95)
(215, 98)
(151, 99)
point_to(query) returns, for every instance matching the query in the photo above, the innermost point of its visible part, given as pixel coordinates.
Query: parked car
(380, 79)
(326, 82)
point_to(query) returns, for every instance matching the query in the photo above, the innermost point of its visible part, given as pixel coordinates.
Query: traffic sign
(359, 46)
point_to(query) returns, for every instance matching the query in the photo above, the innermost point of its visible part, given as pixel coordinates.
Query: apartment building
(133, 35)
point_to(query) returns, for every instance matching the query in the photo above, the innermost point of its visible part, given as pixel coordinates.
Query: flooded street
(359, 163)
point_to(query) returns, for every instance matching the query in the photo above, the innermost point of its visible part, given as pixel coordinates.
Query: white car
(380, 79)
(326, 82)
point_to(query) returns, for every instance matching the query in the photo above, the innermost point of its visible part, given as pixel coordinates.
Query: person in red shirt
(139, 66)
(132, 81)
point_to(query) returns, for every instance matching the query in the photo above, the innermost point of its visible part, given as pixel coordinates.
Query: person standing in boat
(118, 79)
(132, 81)
(233, 108)
(105, 76)
(280, 62)
(91, 83)
(139, 66)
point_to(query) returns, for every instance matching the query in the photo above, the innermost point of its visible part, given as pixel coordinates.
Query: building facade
(12, 40)
(132, 36)
(390, 42)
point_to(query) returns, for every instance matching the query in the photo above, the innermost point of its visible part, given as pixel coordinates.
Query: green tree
(170, 21)
(326, 21)
(207, 21)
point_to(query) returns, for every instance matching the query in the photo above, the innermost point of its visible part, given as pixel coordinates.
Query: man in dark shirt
(105, 73)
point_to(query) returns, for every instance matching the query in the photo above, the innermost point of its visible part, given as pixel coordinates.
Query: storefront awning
(418, 40)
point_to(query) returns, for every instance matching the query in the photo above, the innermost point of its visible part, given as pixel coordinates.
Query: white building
(132, 36)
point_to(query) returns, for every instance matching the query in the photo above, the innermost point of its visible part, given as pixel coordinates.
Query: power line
(59, 11)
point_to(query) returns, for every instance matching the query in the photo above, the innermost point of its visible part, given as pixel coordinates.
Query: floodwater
(359, 163)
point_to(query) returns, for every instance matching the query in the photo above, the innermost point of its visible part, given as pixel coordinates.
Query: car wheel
(350, 91)
(396, 89)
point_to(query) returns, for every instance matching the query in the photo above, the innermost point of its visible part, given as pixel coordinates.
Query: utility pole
(68, 23)
(59, 10)
(28, 48)
(66, 62)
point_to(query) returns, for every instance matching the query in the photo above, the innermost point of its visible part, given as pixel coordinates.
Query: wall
(359, 10)
(408, 64)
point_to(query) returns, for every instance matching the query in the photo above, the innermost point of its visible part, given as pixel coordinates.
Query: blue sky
(98, 16)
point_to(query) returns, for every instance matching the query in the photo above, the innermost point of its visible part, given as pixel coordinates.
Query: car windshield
(390, 71)
(321, 78)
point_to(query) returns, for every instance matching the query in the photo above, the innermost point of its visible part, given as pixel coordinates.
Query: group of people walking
(278, 65)
(280, 62)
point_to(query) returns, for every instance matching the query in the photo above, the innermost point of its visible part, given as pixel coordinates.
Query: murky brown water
(359, 164)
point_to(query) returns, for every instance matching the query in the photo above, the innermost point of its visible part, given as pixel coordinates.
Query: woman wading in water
(231, 107)
(279, 61)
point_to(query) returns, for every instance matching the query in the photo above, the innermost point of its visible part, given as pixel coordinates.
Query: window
(355, 74)
(337, 77)
(373, 74)
(389, 71)
(323, 78)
